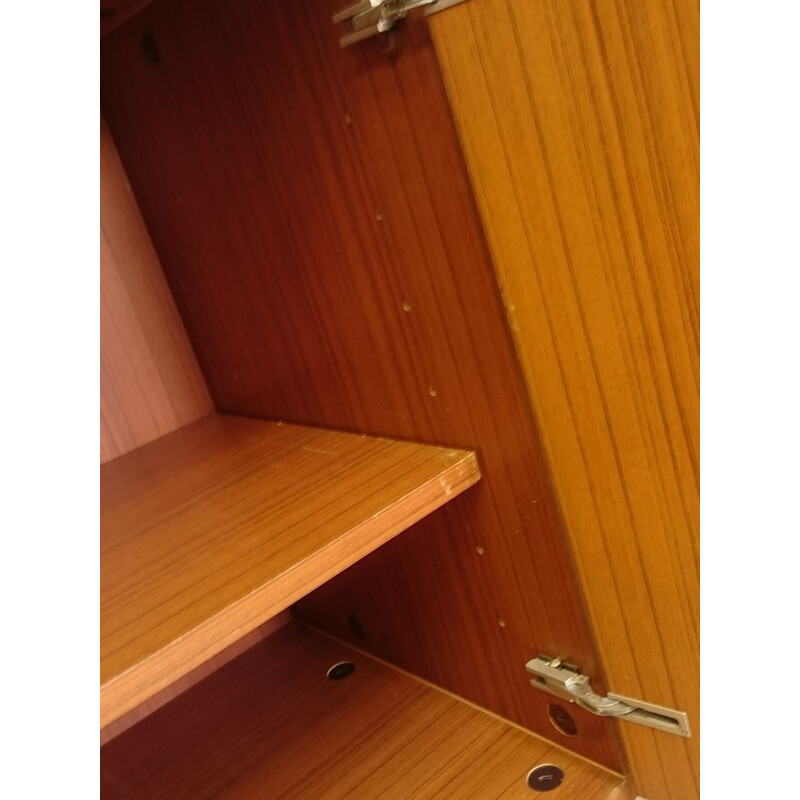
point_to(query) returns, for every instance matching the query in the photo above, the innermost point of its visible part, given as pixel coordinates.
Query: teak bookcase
(398, 372)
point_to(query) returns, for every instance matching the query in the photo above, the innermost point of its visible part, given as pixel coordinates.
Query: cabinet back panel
(150, 383)
(315, 220)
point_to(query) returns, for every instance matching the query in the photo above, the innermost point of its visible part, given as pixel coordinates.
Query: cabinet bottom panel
(300, 715)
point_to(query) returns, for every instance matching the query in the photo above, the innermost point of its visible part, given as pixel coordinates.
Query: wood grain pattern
(580, 127)
(199, 673)
(150, 383)
(315, 220)
(217, 527)
(270, 724)
(114, 12)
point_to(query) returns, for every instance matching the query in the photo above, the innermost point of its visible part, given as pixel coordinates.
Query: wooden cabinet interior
(315, 222)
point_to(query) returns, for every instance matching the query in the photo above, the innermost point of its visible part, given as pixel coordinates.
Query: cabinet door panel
(580, 126)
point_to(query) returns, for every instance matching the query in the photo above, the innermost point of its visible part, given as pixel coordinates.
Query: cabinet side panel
(579, 123)
(314, 216)
(150, 383)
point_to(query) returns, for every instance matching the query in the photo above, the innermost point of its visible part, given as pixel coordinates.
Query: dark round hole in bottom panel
(561, 719)
(545, 777)
(342, 670)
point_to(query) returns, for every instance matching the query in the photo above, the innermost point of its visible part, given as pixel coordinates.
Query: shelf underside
(215, 528)
(272, 724)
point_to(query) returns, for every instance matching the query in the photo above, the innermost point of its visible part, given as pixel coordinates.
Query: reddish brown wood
(160, 699)
(580, 125)
(114, 12)
(209, 531)
(150, 383)
(315, 221)
(271, 725)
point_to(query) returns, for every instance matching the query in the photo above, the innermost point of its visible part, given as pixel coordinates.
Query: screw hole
(342, 670)
(387, 43)
(355, 626)
(150, 50)
(561, 720)
(545, 777)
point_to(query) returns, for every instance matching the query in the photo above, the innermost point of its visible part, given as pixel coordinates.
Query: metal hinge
(566, 681)
(371, 17)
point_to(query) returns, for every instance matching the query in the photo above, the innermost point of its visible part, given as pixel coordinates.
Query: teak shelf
(215, 528)
(272, 724)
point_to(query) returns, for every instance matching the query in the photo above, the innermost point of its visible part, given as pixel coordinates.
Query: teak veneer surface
(271, 725)
(150, 383)
(178, 687)
(213, 529)
(580, 125)
(315, 220)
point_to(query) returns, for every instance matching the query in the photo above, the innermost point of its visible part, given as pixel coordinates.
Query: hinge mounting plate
(368, 18)
(566, 681)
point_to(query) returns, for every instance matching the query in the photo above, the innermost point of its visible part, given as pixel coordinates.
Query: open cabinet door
(315, 218)
(580, 125)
